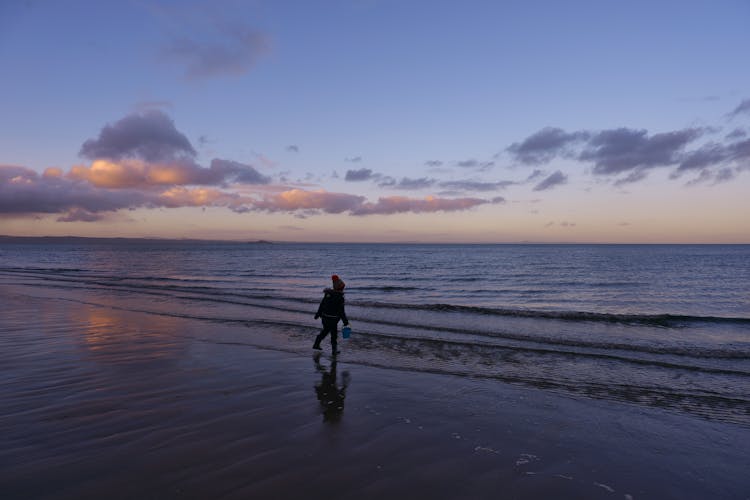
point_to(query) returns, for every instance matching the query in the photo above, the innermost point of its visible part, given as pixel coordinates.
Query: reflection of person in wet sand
(329, 394)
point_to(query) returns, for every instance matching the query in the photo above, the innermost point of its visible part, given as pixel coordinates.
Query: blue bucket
(346, 331)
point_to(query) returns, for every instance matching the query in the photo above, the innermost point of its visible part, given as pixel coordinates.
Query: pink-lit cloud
(23, 191)
(133, 173)
(143, 161)
(401, 204)
(300, 199)
(76, 197)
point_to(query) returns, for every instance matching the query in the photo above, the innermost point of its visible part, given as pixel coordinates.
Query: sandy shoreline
(101, 402)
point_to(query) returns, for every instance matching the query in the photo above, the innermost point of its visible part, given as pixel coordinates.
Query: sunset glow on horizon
(494, 123)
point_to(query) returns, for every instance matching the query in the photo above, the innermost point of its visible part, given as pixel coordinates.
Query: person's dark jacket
(332, 305)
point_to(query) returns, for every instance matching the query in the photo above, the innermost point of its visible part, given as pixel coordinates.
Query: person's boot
(316, 345)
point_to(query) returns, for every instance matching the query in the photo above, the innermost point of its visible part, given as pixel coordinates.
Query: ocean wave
(391, 288)
(667, 320)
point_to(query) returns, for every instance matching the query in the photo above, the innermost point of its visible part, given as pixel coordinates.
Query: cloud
(561, 224)
(150, 136)
(80, 215)
(298, 199)
(713, 155)
(138, 174)
(388, 181)
(476, 185)
(707, 155)
(231, 51)
(543, 146)
(311, 201)
(619, 150)
(534, 175)
(232, 170)
(704, 177)
(725, 175)
(740, 150)
(400, 204)
(146, 149)
(551, 181)
(180, 196)
(631, 152)
(426, 182)
(433, 163)
(363, 174)
(472, 163)
(407, 183)
(737, 133)
(634, 176)
(12, 173)
(714, 177)
(741, 109)
(23, 191)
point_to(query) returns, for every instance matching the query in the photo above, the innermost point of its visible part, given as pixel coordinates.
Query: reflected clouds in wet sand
(330, 395)
(117, 337)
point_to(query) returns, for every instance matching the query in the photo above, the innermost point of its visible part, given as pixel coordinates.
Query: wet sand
(100, 402)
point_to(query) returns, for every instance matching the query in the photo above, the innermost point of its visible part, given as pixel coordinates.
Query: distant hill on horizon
(89, 239)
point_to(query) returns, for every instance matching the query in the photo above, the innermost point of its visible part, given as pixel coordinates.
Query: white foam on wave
(526, 458)
(608, 488)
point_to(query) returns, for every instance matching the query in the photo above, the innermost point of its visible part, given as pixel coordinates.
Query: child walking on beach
(331, 310)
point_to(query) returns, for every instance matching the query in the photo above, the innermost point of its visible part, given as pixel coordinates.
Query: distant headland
(133, 241)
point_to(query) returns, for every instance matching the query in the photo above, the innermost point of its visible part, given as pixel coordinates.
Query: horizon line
(8, 238)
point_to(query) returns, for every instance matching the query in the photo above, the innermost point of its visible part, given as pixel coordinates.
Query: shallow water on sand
(101, 401)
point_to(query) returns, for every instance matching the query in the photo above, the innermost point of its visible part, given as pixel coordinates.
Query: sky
(376, 120)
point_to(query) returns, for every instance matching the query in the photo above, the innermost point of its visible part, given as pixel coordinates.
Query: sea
(659, 326)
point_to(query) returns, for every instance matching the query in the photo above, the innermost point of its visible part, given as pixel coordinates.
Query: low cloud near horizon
(143, 161)
(24, 192)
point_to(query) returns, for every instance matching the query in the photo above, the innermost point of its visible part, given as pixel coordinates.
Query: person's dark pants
(329, 326)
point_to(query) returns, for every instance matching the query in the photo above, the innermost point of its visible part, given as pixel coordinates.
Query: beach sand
(102, 402)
